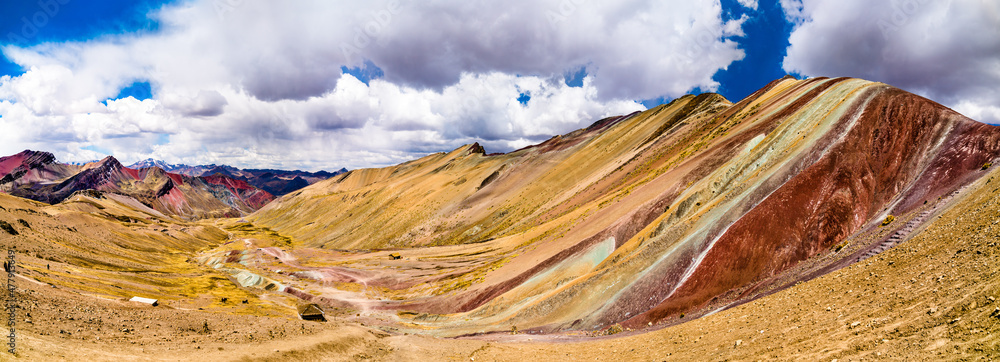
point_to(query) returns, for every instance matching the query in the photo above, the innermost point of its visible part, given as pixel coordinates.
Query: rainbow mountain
(645, 219)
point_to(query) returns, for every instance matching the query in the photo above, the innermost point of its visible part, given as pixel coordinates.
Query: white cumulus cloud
(946, 50)
(261, 83)
(749, 4)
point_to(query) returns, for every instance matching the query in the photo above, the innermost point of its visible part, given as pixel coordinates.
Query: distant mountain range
(276, 182)
(149, 162)
(215, 191)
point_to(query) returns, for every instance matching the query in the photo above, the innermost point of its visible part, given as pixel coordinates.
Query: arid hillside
(817, 219)
(656, 217)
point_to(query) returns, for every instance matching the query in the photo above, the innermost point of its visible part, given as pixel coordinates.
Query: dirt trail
(933, 297)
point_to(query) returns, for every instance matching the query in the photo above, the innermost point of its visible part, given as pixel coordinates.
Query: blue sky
(318, 84)
(765, 42)
(26, 23)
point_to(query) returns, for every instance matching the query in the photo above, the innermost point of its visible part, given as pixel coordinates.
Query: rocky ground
(932, 298)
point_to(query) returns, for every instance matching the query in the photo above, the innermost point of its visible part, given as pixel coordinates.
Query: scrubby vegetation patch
(6, 227)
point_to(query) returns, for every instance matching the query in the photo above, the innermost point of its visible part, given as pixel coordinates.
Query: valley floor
(934, 297)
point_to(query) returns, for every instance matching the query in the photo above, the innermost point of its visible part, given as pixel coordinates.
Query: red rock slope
(37, 176)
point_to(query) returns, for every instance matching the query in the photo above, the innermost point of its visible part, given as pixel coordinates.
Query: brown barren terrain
(818, 219)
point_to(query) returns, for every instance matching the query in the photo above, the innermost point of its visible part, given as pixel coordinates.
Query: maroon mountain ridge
(38, 176)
